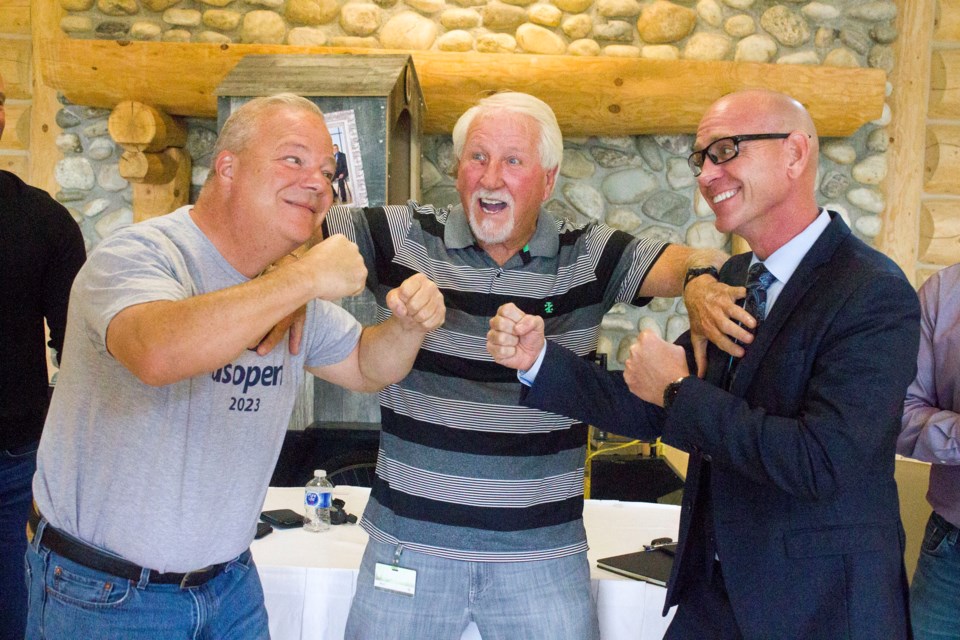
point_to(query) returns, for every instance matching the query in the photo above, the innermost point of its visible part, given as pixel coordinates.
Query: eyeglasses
(725, 149)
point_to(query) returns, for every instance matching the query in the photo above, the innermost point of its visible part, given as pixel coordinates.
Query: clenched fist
(335, 267)
(515, 338)
(417, 304)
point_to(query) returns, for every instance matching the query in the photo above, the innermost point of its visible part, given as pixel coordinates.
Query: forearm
(666, 276)
(387, 353)
(601, 397)
(168, 341)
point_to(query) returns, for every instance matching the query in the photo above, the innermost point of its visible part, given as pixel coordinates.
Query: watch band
(696, 272)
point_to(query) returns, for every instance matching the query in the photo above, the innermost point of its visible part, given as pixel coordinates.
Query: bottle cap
(320, 473)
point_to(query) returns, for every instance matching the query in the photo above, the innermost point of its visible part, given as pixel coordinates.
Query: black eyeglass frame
(696, 159)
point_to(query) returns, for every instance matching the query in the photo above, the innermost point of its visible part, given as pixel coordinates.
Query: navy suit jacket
(791, 470)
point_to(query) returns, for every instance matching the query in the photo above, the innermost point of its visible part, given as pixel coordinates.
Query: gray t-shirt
(172, 477)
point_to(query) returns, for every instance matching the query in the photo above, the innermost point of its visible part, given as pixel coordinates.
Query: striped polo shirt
(465, 472)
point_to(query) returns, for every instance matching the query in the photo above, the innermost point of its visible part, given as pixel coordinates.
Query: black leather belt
(92, 558)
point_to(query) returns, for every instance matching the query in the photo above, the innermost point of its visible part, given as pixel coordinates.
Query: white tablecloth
(309, 578)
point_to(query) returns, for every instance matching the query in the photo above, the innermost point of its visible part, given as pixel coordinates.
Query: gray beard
(489, 231)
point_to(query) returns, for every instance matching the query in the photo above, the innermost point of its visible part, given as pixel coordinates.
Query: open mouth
(492, 206)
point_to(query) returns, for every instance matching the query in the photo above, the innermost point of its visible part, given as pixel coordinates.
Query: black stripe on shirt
(449, 514)
(482, 443)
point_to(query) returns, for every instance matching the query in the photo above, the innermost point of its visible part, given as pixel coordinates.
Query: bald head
(764, 111)
(760, 182)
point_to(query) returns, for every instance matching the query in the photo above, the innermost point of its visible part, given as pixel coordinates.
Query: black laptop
(652, 566)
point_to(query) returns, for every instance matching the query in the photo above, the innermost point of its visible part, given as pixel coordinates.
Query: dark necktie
(758, 281)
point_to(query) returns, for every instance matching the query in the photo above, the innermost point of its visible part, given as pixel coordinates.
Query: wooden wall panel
(948, 21)
(941, 167)
(940, 231)
(945, 84)
(15, 16)
(15, 136)
(14, 163)
(15, 59)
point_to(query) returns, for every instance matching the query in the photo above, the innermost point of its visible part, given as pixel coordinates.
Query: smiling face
(280, 180)
(743, 191)
(766, 192)
(502, 182)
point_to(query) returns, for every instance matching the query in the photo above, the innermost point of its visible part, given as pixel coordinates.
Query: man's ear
(225, 165)
(798, 150)
(551, 182)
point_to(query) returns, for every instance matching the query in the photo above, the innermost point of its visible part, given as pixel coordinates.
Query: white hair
(551, 141)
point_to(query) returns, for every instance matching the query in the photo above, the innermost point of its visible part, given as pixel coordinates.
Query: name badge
(390, 577)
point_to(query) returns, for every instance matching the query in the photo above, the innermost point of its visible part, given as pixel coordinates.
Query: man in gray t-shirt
(165, 427)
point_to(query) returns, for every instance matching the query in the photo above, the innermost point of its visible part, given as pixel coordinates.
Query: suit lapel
(809, 272)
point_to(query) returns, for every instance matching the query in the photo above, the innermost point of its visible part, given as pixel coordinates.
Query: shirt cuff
(529, 376)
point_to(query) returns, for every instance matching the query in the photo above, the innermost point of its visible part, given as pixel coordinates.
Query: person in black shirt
(41, 250)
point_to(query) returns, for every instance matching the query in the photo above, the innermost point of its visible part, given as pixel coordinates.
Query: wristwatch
(671, 390)
(696, 272)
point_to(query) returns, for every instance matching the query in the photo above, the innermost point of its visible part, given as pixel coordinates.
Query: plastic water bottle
(317, 500)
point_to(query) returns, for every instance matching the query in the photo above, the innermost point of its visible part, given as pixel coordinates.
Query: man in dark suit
(341, 173)
(790, 525)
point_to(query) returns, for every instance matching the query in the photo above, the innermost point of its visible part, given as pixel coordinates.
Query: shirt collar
(785, 260)
(545, 241)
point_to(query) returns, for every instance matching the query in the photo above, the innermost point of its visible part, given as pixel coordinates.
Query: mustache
(498, 194)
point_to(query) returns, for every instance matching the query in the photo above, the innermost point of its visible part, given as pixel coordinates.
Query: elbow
(375, 386)
(151, 368)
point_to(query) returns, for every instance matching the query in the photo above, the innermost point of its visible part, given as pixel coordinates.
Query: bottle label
(312, 499)
(324, 500)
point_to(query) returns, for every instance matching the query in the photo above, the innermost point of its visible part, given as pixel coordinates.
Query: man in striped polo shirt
(477, 502)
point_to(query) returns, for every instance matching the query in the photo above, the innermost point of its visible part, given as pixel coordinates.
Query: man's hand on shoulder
(716, 316)
(515, 338)
(417, 304)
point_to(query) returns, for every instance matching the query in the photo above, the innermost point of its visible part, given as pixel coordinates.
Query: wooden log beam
(903, 185)
(591, 96)
(152, 200)
(141, 126)
(149, 168)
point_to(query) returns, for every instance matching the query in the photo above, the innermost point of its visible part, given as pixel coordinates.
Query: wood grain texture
(626, 96)
(945, 84)
(903, 185)
(941, 166)
(15, 17)
(15, 57)
(940, 231)
(947, 21)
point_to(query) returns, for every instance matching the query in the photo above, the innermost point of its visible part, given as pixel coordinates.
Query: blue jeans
(16, 475)
(69, 600)
(548, 599)
(935, 591)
